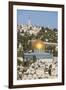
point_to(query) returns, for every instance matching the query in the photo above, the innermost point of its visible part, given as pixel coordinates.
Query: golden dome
(38, 44)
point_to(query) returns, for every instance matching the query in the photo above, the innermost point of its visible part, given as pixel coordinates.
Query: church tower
(29, 23)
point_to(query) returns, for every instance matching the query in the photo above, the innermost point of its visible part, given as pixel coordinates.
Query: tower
(29, 23)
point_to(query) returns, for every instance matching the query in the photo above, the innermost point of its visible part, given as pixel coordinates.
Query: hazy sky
(41, 18)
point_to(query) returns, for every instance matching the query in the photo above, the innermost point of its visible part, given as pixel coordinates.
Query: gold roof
(38, 44)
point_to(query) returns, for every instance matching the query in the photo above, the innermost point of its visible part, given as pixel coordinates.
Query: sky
(40, 18)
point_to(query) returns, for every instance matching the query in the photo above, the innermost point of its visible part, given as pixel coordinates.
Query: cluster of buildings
(29, 28)
(38, 52)
(39, 70)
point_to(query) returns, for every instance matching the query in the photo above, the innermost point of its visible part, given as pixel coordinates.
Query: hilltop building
(38, 52)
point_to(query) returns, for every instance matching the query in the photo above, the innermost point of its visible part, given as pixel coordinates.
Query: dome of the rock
(38, 44)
